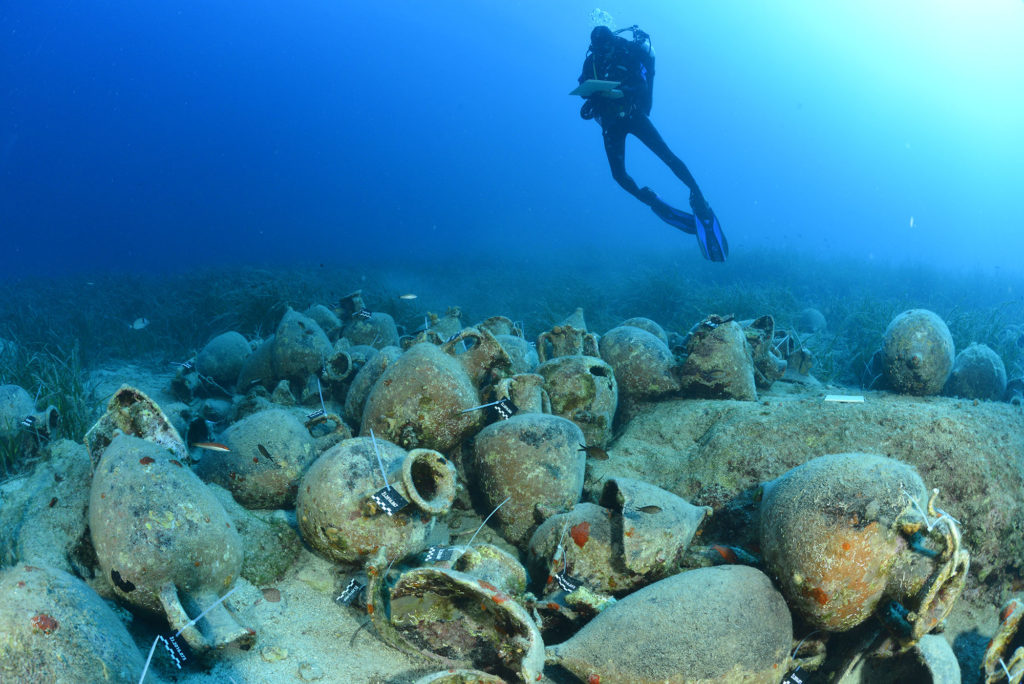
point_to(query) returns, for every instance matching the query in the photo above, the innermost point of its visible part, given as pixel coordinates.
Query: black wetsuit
(633, 67)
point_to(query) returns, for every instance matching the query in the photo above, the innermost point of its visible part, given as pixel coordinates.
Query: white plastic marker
(567, 583)
(322, 411)
(320, 391)
(481, 406)
(504, 408)
(191, 622)
(380, 461)
(470, 542)
(929, 523)
(388, 498)
(443, 553)
(845, 398)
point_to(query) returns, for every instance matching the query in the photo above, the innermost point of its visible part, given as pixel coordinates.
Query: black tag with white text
(436, 554)
(797, 676)
(567, 583)
(389, 500)
(350, 593)
(176, 648)
(504, 409)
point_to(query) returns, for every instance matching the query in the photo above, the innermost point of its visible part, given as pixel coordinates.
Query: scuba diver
(618, 84)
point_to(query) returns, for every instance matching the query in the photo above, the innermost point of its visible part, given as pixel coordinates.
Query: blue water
(169, 135)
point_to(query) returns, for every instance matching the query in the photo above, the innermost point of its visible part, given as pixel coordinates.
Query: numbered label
(567, 583)
(350, 593)
(504, 409)
(797, 676)
(176, 648)
(437, 554)
(389, 500)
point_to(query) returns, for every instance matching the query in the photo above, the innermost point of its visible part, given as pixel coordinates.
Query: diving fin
(713, 244)
(674, 217)
(703, 223)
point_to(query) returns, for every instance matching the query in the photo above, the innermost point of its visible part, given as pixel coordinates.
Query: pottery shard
(131, 412)
(657, 525)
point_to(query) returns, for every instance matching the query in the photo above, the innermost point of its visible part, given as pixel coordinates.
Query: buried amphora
(566, 340)
(636, 536)
(339, 516)
(500, 325)
(719, 364)
(164, 541)
(526, 391)
(269, 451)
(644, 366)
(850, 535)
(534, 461)
(57, 629)
(721, 624)
(420, 399)
(583, 389)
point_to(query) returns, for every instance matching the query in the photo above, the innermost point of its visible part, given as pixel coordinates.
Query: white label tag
(845, 398)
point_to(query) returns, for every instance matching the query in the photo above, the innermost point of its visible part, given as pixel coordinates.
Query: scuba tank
(642, 40)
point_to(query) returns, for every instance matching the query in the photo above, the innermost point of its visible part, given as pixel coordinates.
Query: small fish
(911, 221)
(407, 296)
(711, 376)
(264, 453)
(728, 555)
(720, 554)
(649, 509)
(594, 452)
(212, 446)
(139, 323)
